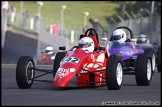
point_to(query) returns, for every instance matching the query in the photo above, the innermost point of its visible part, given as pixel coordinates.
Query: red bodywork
(77, 62)
(45, 59)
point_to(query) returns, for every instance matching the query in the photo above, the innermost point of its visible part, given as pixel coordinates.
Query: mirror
(62, 48)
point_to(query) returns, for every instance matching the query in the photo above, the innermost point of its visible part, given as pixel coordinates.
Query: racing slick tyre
(56, 63)
(24, 72)
(114, 73)
(159, 59)
(151, 54)
(143, 70)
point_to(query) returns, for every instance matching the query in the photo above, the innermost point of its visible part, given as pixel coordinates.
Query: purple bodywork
(127, 49)
(145, 46)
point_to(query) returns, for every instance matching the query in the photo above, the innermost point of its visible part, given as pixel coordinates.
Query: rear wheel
(151, 55)
(56, 64)
(25, 72)
(143, 70)
(114, 73)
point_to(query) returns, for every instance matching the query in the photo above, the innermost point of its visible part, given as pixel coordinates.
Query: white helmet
(142, 38)
(49, 50)
(86, 44)
(119, 35)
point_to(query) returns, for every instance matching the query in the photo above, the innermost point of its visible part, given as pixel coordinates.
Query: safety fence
(35, 23)
(150, 25)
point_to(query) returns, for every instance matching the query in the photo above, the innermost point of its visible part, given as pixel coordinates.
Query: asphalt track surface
(44, 94)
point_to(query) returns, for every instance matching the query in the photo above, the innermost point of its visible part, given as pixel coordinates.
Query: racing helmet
(49, 50)
(142, 38)
(119, 35)
(87, 44)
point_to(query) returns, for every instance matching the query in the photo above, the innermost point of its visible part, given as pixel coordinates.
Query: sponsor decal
(90, 65)
(96, 62)
(92, 56)
(84, 65)
(101, 58)
(96, 65)
(65, 72)
(72, 59)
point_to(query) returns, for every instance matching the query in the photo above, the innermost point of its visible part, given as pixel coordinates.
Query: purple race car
(143, 42)
(128, 58)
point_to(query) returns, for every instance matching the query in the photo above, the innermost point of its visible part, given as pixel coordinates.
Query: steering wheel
(92, 32)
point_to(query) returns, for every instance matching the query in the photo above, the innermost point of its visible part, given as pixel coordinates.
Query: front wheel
(25, 72)
(143, 70)
(56, 63)
(114, 73)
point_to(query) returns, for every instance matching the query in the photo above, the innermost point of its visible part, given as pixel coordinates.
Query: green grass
(73, 14)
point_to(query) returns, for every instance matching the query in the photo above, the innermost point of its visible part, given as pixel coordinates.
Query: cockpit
(114, 44)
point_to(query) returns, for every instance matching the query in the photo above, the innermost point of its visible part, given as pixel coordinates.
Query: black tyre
(56, 63)
(114, 73)
(159, 59)
(143, 70)
(24, 72)
(151, 54)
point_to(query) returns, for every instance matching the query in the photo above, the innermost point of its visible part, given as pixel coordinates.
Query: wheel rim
(29, 72)
(148, 69)
(153, 62)
(119, 74)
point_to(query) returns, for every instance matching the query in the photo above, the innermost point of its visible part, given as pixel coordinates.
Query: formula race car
(143, 42)
(83, 65)
(47, 57)
(128, 58)
(90, 64)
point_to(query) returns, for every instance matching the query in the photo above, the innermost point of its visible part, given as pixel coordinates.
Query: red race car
(83, 65)
(47, 56)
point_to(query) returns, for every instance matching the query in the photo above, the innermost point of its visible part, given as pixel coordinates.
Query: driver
(49, 50)
(142, 38)
(87, 44)
(118, 39)
(119, 36)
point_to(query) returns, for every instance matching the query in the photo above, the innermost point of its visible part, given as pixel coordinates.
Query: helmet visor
(49, 51)
(85, 45)
(141, 40)
(117, 37)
